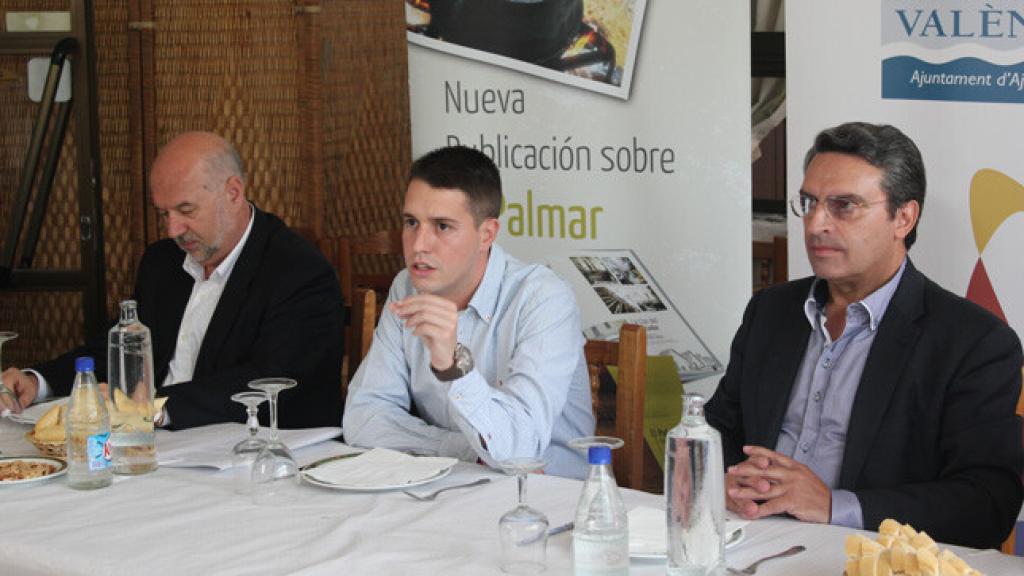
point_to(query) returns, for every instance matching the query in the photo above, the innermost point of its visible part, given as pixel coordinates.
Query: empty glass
(523, 531)
(275, 475)
(244, 454)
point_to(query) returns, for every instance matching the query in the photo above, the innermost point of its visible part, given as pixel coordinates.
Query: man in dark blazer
(867, 391)
(230, 296)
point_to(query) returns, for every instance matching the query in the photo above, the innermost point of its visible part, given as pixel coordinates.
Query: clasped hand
(769, 483)
(434, 320)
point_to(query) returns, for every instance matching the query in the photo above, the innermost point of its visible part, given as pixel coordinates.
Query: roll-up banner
(950, 74)
(622, 132)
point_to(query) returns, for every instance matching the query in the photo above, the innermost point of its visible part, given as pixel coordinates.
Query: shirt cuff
(846, 510)
(455, 445)
(44, 391)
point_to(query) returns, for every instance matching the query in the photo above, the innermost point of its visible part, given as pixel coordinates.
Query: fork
(753, 567)
(430, 497)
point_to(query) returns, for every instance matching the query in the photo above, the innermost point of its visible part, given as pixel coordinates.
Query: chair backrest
(1009, 545)
(362, 322)
(629, 354)
(351, 249)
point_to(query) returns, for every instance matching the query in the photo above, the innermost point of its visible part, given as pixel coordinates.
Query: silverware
(430, 497)
(323, 461)
(551, 532)
(753, 567)
(559, 529)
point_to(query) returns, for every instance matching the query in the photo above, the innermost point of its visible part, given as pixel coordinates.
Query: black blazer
(933, 440)
(281, 314)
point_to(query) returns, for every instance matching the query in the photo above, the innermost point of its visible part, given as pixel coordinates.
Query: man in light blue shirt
(477, 355)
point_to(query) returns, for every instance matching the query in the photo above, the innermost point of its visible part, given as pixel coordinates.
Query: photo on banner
(590, 45)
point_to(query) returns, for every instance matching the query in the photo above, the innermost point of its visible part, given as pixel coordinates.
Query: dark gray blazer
(933, 440)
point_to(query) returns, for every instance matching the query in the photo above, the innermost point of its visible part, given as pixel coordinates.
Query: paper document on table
(380, 467)
(210, 446)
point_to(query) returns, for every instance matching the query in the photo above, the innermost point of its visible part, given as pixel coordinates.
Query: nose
(175, 227)
(422, 239)
(818, 219)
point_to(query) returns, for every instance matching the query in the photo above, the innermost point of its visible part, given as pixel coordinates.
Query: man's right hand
(22, 385)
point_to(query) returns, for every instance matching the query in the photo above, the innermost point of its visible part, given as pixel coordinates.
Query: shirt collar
(485, 299)
(875, 303)
(223, 270)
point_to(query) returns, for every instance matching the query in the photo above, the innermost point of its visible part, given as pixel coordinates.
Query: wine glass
(275, 475)
(523, 531)
(244, 454)
(4, 337)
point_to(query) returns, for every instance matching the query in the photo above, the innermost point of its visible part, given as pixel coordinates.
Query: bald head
(198, 189)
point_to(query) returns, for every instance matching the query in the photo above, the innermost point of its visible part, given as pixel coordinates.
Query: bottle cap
(599, 454)
(84, 364)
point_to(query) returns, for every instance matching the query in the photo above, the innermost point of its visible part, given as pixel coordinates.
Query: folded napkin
(32, 414)
(380, 468)
(648, 531)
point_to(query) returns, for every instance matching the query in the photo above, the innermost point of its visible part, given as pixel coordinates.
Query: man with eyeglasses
(867, 391)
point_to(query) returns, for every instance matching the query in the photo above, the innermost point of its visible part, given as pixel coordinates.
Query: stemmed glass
(275, 475)
(523, 530)
(4, 337)
(244, 454)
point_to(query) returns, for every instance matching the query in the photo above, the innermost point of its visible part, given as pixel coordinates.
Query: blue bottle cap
(600, 454)
(84, 364)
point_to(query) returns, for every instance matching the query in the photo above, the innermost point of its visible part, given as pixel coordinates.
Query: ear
(906, 218)
(488, 232)
(235, 189)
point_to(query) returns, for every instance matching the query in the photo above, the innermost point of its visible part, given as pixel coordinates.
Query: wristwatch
(462, 365)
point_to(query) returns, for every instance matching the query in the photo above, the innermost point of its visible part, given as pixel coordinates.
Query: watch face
(463, 359)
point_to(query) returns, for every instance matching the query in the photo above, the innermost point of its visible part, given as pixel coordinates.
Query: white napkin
(380, 468)
(648, 532)
(33, 413)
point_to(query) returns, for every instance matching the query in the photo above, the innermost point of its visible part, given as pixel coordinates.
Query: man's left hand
(792, 487)
(435, 321)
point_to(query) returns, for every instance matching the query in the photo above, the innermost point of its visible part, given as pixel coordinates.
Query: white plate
(62, 468)
(734, 539)
(361, 488)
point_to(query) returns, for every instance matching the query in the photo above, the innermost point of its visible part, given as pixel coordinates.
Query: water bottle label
(97, 451)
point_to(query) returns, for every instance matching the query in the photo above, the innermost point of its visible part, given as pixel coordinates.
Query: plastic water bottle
(695, 493)
(600, 541)
(130, 370)
(88, 431)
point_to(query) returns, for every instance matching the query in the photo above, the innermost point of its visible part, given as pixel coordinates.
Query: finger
(773, 491)
(774, 506)
(746, 468)
(771, 455)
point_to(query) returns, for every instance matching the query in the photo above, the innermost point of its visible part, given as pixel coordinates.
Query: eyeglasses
(839, 208)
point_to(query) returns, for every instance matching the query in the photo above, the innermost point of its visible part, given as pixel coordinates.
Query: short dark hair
(885, 148)
(465, 169)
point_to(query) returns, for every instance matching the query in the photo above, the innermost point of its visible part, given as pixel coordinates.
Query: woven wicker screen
(313, 94)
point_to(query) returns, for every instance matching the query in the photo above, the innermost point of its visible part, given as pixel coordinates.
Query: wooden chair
(771, 261)
(362, 322)
(1008, 544)
(625, 419)
(385, 243)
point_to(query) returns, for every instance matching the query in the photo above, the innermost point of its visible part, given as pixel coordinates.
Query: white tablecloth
(189, 521)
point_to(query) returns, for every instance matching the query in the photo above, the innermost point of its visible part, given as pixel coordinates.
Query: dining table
(182, 519)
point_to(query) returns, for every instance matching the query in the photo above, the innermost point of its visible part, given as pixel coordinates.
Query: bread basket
(55, 449)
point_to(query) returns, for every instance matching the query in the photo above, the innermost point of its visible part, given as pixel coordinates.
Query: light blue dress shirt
(818, 416)
(528, 394)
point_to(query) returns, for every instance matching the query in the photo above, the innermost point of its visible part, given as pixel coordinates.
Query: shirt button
(827, 363)
(817, 396)
(804, 446)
